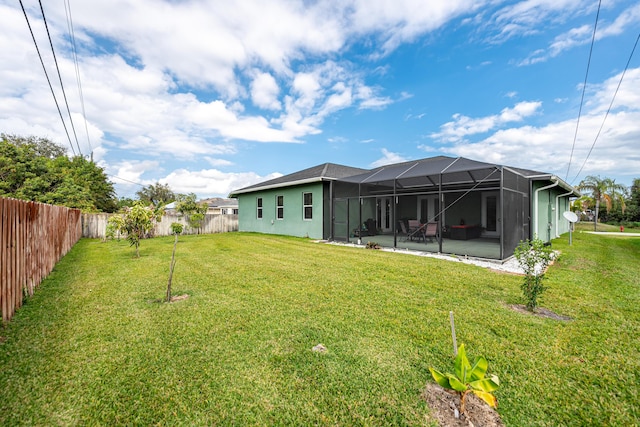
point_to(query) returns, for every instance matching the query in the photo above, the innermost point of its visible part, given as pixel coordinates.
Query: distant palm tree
(618, 193)
(603, 190)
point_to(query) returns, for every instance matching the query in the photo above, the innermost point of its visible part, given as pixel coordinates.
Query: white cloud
(139, 85)
(523, 18)
(185, 81)
(264, 92)
(217, 162)
(463, 126)
(388, 158)
(582, 35)
(338, 140)
(370, 100)
(211, 182)
(627, 95)
(630, 17)
(403, 21)
(548, 148)
(128, 177)
(127, 174)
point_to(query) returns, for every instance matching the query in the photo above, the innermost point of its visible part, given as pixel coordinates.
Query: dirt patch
(173, 299)
(445, 404)
(540, 312)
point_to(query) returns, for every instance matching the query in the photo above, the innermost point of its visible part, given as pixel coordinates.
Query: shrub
(136, 223)
(534, 257)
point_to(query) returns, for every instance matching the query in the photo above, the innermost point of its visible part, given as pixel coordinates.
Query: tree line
(608, 201)
(37, 169)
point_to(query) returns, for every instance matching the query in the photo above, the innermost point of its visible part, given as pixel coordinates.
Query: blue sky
(209, 96)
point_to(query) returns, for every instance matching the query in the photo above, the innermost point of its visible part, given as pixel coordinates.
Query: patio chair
(416, 230)
(372, 228)
(430, 231)
(404, 231)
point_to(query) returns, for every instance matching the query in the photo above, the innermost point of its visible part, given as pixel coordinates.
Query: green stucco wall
(293, 223)
(547, 218)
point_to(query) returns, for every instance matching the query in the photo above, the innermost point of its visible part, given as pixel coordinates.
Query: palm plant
(469, 379)
(603, 190)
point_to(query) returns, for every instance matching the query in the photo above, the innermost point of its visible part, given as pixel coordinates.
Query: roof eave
(280, 185)
(562, 184)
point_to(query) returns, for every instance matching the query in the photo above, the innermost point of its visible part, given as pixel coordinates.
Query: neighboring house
(220, 206)
(215, 206)
(481, 209)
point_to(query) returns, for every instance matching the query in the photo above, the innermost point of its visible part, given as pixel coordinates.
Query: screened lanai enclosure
(440, 204)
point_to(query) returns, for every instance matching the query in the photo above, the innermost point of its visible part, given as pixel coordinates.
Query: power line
(64, 94)
(584, 88)
(123, 179)
(67, 9)
(608, 109)
(47, 76)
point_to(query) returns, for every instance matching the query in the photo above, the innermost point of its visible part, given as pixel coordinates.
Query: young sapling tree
(534, 258)
(135, 223)
(176, 229)
(191, 210)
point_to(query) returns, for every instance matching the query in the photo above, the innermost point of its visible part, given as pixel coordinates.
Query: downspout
(501, 220)
(331, 212)
(555, 181)
(359, 215)
(442, 209)
(393, 216)
(557, 210)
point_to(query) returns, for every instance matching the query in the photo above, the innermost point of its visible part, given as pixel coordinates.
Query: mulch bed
(540, 312)
(444, 405)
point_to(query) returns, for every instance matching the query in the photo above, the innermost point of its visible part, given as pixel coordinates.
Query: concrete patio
(477, 248)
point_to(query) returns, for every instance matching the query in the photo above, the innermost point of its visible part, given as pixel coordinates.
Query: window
(307, 206)
(280, 207)
(259, 205)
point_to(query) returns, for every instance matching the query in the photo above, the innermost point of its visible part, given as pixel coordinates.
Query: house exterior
(481, 209)
(215, 206)
(298, 204)
(220, 206)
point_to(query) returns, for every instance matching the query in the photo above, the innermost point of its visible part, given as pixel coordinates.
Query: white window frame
(259, 208)
(279, 208)
(305, 206)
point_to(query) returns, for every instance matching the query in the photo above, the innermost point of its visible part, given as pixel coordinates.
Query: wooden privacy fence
(95, 225)
(33, 238)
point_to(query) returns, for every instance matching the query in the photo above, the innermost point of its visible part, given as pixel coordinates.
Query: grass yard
(93, 348)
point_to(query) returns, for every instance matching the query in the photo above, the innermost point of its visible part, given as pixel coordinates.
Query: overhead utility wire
(123, 179)
(584, 88)
(67, 9)
(59, 76)
(47, 76)
(608, 109)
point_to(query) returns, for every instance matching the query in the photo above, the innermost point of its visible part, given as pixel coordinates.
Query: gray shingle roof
(410, 173)
(323, 172)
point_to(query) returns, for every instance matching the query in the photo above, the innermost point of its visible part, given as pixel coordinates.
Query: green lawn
(93, 348)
